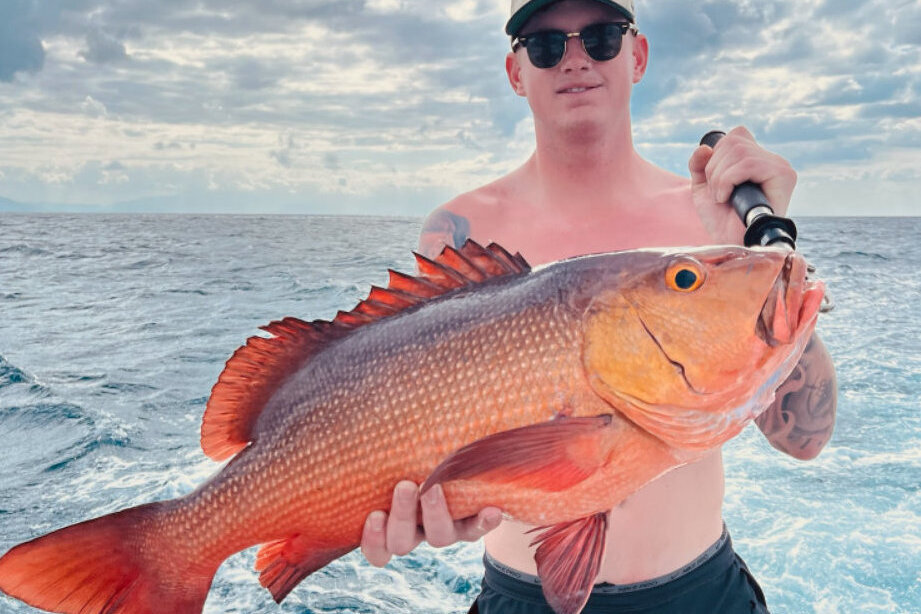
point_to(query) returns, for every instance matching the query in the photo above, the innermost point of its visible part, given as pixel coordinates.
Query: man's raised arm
(802, 418)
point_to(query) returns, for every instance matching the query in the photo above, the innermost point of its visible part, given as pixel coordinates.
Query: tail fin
(117, 564)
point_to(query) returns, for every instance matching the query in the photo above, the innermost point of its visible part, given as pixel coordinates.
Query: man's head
(577, 82)
(522, 10)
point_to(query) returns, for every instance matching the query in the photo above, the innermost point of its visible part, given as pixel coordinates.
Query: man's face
(578, 91)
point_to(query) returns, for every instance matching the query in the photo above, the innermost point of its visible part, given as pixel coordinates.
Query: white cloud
(364, 98)
(93, 107)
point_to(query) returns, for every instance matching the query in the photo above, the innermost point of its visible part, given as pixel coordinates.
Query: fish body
(553, 394)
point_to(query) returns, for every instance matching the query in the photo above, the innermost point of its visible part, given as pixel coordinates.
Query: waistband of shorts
(715, 559)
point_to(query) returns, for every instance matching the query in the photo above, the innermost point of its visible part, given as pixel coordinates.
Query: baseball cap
(523, 9)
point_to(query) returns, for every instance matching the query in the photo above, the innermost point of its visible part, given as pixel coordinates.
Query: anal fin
(568, 559)
(284, 563)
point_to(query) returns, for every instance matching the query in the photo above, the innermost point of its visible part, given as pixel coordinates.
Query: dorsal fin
(256, 370)
(250, 377)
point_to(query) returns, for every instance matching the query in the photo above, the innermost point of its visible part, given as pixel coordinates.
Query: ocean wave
(25, 250)
(197, 291)
(10, 374)
(147, 263)
(86, 447)
(860, 254)
(132, 388)
(41, 415)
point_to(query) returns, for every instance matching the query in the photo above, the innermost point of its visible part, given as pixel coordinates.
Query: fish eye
(686, 275)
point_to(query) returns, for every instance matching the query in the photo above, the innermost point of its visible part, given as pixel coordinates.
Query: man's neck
(587, 166)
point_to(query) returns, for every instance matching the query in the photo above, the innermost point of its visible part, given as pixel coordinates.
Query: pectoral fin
(550, 456)
(568, 560)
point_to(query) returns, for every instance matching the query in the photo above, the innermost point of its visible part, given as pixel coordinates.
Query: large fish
(553, 394)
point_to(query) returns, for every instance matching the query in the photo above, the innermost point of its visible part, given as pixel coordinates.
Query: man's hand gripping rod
(762, 227)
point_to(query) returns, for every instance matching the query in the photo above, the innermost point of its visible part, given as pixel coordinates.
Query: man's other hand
(399, 532)
(737, 158)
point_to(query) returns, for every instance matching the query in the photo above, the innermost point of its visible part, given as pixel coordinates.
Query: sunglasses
(601, 41)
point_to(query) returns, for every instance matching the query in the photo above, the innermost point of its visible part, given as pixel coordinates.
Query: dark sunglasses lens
(602, 41)
(546, 49)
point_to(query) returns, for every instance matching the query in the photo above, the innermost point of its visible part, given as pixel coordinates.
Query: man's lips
(576, 89)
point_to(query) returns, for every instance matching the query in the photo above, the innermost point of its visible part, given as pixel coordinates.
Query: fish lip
(790, 305)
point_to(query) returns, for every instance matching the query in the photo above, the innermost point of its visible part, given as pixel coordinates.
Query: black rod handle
(752, 206)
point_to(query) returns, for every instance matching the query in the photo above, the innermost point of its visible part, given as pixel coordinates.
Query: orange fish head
(693, 343)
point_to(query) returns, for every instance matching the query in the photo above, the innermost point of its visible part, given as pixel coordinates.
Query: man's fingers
(742, 131)
(728, 152)
(698, 164)
(738, 158)
(403, 532)
(731, 172)
(374, 539)
(774, 174)
(475, 527)
(398, 533)
(436, 518)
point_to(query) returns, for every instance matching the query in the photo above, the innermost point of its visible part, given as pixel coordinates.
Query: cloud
(370, 97)
(93, 107)
(283, 155)
(102, 48)
(21, 48)
(331, 161)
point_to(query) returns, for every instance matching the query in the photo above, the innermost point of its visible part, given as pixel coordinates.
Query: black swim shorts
(718, 581)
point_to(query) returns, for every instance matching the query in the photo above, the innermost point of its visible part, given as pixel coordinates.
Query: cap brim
(517, 21)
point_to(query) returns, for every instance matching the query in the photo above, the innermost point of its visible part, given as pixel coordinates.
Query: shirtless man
(586, 189)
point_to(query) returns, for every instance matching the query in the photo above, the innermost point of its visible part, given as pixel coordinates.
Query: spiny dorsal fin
(256, 370)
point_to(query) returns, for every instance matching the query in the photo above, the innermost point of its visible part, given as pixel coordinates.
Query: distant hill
(153, 204)
(11, 205)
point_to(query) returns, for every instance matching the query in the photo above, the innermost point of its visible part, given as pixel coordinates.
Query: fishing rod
(762, 227)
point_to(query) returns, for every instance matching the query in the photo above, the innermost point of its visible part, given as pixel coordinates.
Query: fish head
(691, 344)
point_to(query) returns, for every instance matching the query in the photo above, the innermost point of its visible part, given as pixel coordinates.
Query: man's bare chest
(553, 237)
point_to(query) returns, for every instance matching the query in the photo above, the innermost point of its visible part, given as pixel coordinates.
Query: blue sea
(114, 328)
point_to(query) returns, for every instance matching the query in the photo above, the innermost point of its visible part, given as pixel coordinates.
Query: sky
(393, 107)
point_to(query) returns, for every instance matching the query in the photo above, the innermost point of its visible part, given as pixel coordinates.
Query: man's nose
(574, 57)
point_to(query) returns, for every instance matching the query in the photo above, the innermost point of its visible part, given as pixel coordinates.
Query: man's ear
(513, 70)
(640, 57)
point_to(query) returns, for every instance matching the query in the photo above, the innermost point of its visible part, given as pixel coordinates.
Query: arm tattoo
(443, 228)
(801, 420)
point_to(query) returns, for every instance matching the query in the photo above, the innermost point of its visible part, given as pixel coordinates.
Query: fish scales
(523, 390)
(525, 386)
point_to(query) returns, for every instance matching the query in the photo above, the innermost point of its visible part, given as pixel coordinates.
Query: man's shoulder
(458, 219)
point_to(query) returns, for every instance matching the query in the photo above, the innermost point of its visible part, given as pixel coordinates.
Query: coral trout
(553, 394)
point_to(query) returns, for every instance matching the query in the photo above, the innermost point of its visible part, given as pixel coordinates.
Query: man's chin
(584, 126)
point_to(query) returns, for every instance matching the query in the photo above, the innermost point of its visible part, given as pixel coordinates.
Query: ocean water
(114, 328)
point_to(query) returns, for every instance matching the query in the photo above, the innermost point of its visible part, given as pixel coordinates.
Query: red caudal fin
(568, 560)
(110, 565)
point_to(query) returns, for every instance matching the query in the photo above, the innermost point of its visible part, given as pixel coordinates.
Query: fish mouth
(792, 303)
